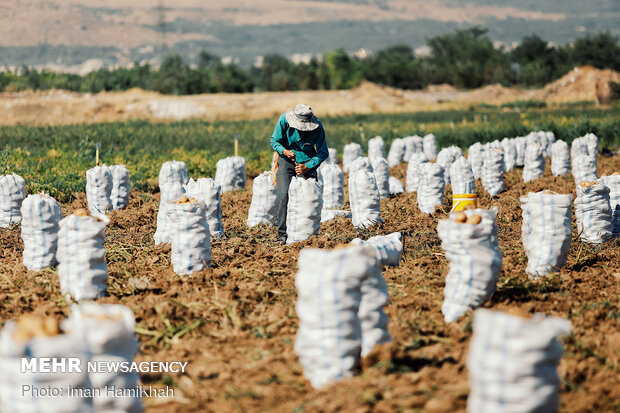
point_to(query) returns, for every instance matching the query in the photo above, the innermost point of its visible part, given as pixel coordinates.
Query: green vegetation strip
(55, 159)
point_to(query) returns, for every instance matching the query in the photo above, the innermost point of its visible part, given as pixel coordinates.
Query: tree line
(464, 59)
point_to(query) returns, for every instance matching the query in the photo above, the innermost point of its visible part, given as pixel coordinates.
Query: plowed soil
(235, 323)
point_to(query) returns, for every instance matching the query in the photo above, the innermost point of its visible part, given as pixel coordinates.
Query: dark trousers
(286, 171)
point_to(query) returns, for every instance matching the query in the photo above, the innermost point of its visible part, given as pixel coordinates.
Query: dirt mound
(584, 83)
(442, 88)
(59, 107)
(498, 94)
(372, 89)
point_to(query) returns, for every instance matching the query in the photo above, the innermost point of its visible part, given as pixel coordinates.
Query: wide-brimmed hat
(302, 118)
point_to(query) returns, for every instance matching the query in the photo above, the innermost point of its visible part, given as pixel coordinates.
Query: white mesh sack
(613, 183)
(396, 187)
(578, 147)
(593, 212)
(430, 146)
(409, 147)
(534, 162)
(330, 292)
(31, 391)
(413, 144)
(360, 164)
(351, 152)
(333, 156)
(40, 216)
(446, 158)
(373, 320)
(332, 180)
(496, 144)
(382, 175)
(82, 269)
(389, 248)
(546, 231)
(474, 156)
(396, 153)
(488, 218)
(583, 153)
(12, 194)
(264, 206)
(413, 171)
(99, 189)
(532, 138)
(431, 187)
(510, 154)
(475, 264)
(493, 171)
(376, 147)
(512, 363)
(172, 172)
(303, 214)
(108, 331)
(560, 158)
(584, 168)
(121, 186)
(169, 194)
(549, 140)
(365, 199)
(230, 173)
(590, 142)
(190, 237)
(209, 192)
(544, 139)
(520, 146)
(462, 177)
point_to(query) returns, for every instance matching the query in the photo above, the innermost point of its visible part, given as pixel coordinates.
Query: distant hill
(63, 34)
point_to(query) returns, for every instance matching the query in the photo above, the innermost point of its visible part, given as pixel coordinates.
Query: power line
(161, 25)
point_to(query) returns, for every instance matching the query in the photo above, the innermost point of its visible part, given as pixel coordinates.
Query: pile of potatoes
(30, 326)
(461, 218)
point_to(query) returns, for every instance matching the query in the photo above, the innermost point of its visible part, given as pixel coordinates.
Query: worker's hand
(289, 154)
(300, 168)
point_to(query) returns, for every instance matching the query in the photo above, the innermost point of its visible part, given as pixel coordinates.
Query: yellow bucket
(460, 201)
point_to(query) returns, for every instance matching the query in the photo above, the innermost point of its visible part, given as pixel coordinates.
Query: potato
(474, 219)
(30, 326)
(183, 200)
(518, 312)
(81, 212)
(51, 326)
(103, 317)
(469, 207)
(460, 217)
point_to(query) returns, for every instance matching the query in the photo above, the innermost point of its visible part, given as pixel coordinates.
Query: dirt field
(235, 323)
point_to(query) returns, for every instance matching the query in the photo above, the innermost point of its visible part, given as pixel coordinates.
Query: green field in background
(55, 158)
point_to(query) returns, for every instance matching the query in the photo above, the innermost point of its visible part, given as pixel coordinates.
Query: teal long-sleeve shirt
(309, 146)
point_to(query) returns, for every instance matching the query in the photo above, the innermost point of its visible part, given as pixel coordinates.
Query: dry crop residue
(235, 323)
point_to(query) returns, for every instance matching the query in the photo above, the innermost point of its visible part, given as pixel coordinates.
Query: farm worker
(299, 140)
